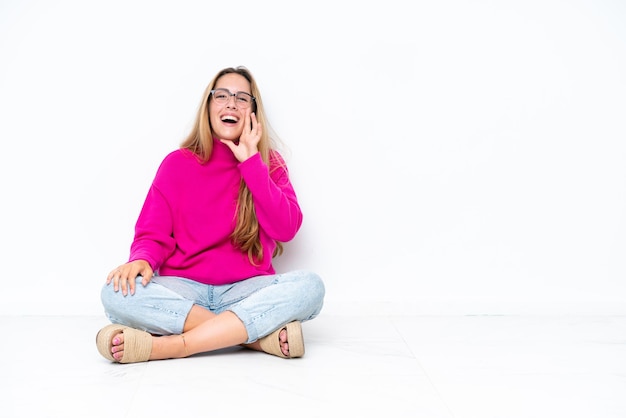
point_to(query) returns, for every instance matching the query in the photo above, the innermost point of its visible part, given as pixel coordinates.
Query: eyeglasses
(242, 99)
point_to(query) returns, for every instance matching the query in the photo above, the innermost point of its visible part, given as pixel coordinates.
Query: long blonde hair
(200, 142)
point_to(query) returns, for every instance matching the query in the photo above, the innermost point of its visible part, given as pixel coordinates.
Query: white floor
(421, 366)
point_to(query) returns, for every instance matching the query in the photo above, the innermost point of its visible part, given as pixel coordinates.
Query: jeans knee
(316, 286)
(105, 295)
(112, 301)
(313, 292)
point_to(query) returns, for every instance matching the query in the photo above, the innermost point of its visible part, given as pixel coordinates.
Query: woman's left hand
(249, 139)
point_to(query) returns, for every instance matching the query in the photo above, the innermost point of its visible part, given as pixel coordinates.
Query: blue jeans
(263, 303)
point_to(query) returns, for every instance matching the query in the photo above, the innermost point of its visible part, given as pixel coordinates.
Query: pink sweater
(188, 216)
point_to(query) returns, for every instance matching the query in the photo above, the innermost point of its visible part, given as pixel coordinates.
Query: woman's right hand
(124, 276)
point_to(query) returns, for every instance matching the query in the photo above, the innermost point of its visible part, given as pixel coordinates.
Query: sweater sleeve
(153, 241)
(275, 201)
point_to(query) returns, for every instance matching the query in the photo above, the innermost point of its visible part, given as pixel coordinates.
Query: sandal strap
(137, 346)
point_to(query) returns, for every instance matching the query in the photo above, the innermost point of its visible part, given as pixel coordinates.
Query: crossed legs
(203, 331)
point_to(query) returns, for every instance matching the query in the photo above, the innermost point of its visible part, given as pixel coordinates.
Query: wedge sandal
(271, 344)
(137, 343)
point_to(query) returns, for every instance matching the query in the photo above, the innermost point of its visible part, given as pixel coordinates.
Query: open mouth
(229, 119)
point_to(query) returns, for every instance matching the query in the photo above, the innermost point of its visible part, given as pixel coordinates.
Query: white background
(450, 156)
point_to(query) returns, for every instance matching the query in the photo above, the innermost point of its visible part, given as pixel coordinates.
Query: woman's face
(227, 119)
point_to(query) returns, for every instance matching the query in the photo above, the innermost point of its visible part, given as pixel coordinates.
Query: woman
(200, 274)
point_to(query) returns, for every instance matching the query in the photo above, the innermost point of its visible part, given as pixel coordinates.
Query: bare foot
(117, 346)
(283, 342)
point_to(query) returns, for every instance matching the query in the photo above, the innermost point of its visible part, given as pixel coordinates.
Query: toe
(118, 339)
(283, 341)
